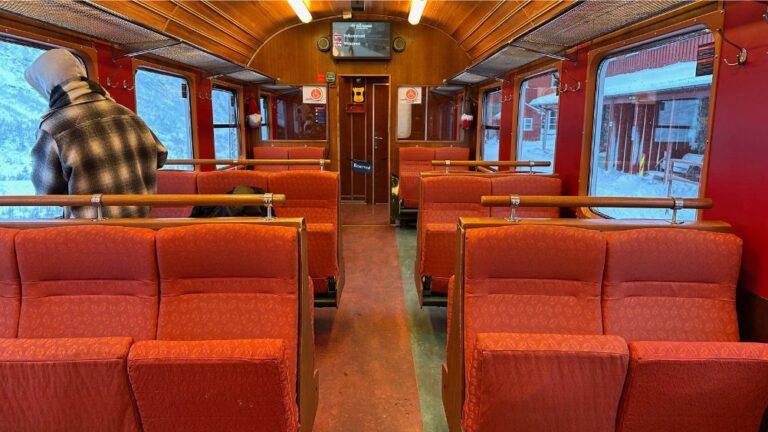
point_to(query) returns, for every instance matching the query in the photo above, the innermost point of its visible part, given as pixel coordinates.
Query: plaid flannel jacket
(96, 146)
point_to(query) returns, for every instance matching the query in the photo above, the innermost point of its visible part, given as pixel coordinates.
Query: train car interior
(387, 216)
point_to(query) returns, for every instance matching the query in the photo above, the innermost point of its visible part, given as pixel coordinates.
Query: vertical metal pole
(514, 203)
(96, 203)
(268, 203)
(447, 166)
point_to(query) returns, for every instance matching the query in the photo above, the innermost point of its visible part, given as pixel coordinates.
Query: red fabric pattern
(539, 279)
(229, 281)
(412, 161)
(94, 281)
(220, 182)
(452, 153)
(543, 382)
(238, 385)
(270, 153)
(175, 182)
(10, 291)
(66, 385)
(305, 153)
(438, 255)
(669, 284)
(526, 185)
(409, 189)
(695, 386)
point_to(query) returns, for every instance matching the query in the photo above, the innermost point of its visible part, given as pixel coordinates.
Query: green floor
(427, 328)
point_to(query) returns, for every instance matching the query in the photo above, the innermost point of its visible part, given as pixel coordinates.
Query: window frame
(193, 92)
(277, 142)
(425, 89)
(541, 69)
(266, 115)
(238, 92)
(712, 21)
(481, 126)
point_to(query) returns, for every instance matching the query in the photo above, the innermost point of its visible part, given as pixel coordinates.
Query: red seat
(66, 385)
(305, 153)
(534, 354)
(175, 182)
(93, 281)
(315, 197)
(452, 153)
(413, 161)
(10, 292)
(526, 185)
(260, 152)
(444, 199)
(220, 182)
(671, 294)
(222, 282)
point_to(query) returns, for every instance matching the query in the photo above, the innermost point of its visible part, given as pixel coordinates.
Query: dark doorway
(364, 138)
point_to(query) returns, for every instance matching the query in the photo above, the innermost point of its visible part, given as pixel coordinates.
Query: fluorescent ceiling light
(417, 8)
(301, 10)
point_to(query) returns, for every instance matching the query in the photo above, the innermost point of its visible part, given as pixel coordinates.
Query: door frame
(389, 131)
(338, 121)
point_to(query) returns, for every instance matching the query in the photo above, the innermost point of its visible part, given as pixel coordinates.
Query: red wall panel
(120, 75)
(570, 123)
(738, 175)
(507, 115)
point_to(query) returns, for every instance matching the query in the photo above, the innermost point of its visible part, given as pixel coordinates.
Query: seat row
(569, 329)
(313, 195)
(303, 152)
(446, 197)
(127, 329)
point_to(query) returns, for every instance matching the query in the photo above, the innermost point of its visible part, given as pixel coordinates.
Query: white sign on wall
(409, 95)
(314, 94)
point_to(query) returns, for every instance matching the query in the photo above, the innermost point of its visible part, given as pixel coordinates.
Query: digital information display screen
(361, 40)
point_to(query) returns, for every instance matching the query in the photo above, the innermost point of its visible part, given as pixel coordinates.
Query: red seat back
(220, 182)
(671, 284)
(87, 281)
(416, 159)
(532, 279)
(305, 153)
(270, 153)
(311, 195)
(526, 185)
(452, 153)
(175, 182)
(229, 281)
(10, 292)
(445, 198)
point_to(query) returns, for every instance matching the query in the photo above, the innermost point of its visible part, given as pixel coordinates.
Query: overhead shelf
(585, 21)
(132, 39)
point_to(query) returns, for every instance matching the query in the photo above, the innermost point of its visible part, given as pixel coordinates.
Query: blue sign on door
(361, 166)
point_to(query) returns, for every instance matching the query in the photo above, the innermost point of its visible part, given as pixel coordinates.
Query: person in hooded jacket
(87, 143)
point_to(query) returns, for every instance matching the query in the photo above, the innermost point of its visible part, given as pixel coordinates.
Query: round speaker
(398, 44)
(323, 44)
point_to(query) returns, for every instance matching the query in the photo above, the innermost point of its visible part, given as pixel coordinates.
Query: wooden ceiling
(236, 30)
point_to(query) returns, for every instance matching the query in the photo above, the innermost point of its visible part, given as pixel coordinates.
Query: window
(20, 111)
(163, 103)
(264, 108)
(294, 119)
(428, 113)
(651, 116)
(226, 128)
(537, 124)
(489, 138)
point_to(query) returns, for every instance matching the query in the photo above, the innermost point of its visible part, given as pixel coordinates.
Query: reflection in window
(429, 116)
(162, 101)
(264, 109)
(294, 119)
(226, 131)
(537, 119)
(651, 116)
(489, 146)
(20, 111)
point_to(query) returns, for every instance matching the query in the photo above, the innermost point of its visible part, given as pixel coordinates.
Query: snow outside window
(20, 111)
(537, 119)
(650, 127)
(489, 144)
(226, 127)
(163, 102)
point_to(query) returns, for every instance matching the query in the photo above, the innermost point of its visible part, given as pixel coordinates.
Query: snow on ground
(532, 151)
(616, 183)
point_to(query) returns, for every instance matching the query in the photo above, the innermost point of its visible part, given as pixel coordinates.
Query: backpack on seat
(233, 211)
